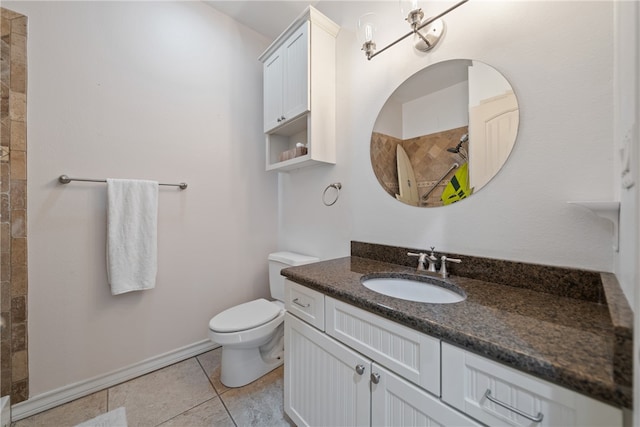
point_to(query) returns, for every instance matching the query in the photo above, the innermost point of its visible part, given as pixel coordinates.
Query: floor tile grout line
(207, 375)
(228, 412)
(216, 390)
(184, 412)
(201, 403)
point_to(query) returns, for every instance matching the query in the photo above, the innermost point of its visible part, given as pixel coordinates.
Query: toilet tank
(278, 261)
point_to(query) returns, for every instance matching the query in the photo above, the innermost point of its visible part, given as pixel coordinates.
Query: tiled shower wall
(428, 155)
(14, 376)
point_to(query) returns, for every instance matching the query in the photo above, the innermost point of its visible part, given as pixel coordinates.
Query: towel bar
(64, 179)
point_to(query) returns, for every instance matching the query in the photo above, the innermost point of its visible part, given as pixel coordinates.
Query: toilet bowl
(242, 331)
(252, 333)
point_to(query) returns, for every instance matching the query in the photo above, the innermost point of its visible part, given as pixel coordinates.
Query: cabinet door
(296, 73)
(396, 402)
(273, 69)
(325, 383)
(413, 355)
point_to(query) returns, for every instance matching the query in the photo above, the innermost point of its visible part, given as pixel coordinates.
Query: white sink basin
(412, 290)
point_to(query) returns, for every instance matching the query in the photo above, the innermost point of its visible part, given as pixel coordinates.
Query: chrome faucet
(423, 258)
(443, 266)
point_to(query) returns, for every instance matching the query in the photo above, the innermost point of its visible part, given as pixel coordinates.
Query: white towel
(132, 226)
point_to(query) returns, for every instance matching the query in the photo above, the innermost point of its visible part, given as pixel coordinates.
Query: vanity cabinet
(330, 383)
(299, 76)
(345, 366)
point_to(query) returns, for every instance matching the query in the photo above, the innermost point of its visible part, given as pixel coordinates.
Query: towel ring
(335, 185)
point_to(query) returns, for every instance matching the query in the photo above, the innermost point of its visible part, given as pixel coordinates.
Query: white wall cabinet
(286, 85)
(299, 75)
(273, 90)
(367, 370)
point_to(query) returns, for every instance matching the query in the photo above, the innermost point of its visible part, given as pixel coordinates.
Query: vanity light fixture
(427, 32)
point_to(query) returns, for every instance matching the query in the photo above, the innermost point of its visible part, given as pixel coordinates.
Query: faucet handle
(443, 265)
(421, 259)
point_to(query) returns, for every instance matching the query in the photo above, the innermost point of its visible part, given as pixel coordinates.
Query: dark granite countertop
(567, 341)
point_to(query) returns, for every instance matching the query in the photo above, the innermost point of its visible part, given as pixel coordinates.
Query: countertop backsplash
(565, 282)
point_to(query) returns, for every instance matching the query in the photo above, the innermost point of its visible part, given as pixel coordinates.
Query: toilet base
(241, 366)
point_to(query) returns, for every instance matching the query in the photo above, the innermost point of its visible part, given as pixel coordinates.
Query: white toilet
(252, 334)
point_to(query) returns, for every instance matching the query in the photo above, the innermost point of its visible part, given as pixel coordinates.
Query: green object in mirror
(445, 132)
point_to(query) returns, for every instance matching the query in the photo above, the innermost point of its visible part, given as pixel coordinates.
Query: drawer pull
(295, 301)
(360, 369)
(535, 419)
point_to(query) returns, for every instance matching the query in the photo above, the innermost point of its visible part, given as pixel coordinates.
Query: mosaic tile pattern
(567, 341)
(428, 155)
(14, 375)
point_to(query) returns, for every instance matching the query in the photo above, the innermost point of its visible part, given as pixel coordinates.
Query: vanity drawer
(468, 378)
(407, 352)
(304, 303)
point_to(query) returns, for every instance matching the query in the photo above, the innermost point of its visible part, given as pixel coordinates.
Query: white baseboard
(5, 411)
(80, 389)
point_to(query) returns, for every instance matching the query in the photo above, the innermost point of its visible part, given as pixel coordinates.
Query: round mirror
(444, 133)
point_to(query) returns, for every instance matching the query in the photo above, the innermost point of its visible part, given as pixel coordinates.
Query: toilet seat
(245, 316)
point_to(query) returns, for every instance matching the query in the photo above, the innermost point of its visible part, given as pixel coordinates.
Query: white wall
(485, 83)
(627, 111)
(626, 89)
(562, 79)
(442, 110)
(389, 121)
(170, 91)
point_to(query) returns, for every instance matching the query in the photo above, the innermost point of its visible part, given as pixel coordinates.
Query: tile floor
(187, 394)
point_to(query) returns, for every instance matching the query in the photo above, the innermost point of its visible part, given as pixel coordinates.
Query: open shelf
(285, 138)
(607, 210)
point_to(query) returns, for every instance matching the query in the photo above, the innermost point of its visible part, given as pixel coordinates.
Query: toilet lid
(244, 316)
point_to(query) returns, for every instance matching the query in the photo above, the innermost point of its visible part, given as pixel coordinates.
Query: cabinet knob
(282, 118)
(375, 377)
(360, 369)
(279, 119)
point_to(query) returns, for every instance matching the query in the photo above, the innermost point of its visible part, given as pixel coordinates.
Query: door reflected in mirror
(444, 133)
